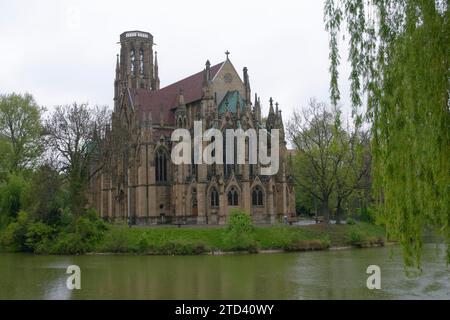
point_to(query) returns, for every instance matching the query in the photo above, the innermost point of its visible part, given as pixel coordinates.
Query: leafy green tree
(399, 54)
(318, 157)
(5, 158)
(12, 197)
(354, 169)
(20, 132)
(240, 231)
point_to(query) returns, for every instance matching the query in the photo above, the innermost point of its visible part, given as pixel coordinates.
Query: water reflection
(308, 275)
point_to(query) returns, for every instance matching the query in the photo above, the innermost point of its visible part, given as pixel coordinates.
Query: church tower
(136, 67)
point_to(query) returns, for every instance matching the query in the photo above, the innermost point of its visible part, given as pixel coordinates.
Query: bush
(81, 235)
(90, 230)
(350, 221)
(355, 237)
(367, 214)
(69, 243)
(14, 236)
(39, 236)
(240, 232)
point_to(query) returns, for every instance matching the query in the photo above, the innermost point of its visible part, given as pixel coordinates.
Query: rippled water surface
(305, 275)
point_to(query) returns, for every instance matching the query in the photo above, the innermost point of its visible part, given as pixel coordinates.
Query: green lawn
(196, 240)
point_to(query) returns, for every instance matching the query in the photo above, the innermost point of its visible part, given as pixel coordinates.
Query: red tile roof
(167, 98)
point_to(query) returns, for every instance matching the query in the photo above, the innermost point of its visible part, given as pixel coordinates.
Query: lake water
(304, 275)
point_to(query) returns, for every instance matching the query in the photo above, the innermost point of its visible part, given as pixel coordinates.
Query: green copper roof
(229, 102)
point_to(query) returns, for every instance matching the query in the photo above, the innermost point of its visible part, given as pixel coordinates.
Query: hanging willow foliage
(399, 53)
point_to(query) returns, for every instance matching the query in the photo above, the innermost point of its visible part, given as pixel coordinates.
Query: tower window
(141, 61)
(257, 197)
(161, 166)
(233, 197)
(214, 198)
(133, 62)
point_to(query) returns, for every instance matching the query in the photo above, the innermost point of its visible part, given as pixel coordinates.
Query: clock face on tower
(228, 78)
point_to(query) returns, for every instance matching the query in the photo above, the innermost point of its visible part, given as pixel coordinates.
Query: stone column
(270, 204)
(201, 200)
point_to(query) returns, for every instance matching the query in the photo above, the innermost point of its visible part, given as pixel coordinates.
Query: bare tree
(74, 133)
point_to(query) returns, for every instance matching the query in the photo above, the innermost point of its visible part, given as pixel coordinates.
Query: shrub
(367, 214)
(90, 230)
(14, 236)
(355, 237)
(38, 237)
(350, 221)
(240, 232)
(81, 235)
(69, 243)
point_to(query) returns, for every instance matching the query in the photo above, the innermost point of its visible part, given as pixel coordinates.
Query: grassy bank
(89, 234)
(195, 240)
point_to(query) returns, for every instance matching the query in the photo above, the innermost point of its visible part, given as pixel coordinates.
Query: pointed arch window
(161, 166)
(141, 61)
(233, 197)
(214, 198)
(133, 62)
(257, 196)
(229, 168)
(194, 198)
(193, 166)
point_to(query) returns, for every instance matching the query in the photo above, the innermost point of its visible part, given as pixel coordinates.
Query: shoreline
(262, 251)
(220, 252)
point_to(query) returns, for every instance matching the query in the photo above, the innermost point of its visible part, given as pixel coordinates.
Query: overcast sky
(64, 51)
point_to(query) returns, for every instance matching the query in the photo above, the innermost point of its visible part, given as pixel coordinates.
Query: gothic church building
(138, 181)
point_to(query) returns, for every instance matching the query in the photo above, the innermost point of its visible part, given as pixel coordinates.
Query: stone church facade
(138, 181)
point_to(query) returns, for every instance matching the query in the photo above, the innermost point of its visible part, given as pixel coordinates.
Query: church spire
(156, 76)
(117, 88)
(271, 112)
(208, 70)
(247, 86)
(207, 93)
(271, 118)
(257, 109)
(181, 98)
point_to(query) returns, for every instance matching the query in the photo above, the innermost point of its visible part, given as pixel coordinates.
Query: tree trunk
(338, 211)
(326, 212)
